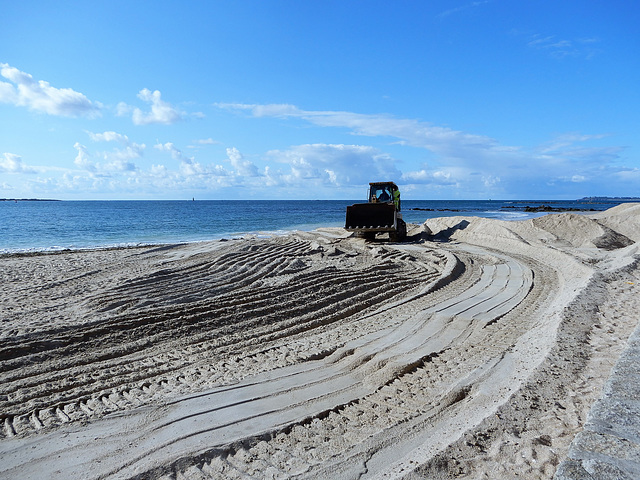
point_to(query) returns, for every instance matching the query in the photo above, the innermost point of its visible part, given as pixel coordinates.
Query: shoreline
(95, 248)
(81, 225)
(26, 251)
(476, 348)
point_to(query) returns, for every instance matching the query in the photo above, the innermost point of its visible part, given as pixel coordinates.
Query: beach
(475, 349)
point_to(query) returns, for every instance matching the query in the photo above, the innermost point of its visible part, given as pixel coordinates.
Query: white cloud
(12, 163)
(316, 164)
(189, 167)
(8, 93)
(169, 147)
(241, 166)
(203, 142)
(420, 176)
(561, 47)
(207, 141)
(490, 181)
(629, 175)
(130, 152)
(565, 140)
(122, 109)
(428, 177)
(333, 178)
(441, 140)
(159, 170)
(161, 112)
(42, 97)
(115, 162)
(462, 8)
(268, 110)
(109, 137)
(568, 150)
(82, 159)
(119, 159)
(120, 165)
(304, 168)
(276, 110)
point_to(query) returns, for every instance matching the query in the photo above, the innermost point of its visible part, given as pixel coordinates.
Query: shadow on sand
(445, 235)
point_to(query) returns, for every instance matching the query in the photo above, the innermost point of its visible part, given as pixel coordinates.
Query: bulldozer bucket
(368, 217)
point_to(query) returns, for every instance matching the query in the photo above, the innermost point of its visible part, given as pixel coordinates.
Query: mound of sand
(624, 219)
(581, 231)
(568, 229)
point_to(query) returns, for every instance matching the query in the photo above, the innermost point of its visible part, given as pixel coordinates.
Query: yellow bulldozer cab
(384, 192)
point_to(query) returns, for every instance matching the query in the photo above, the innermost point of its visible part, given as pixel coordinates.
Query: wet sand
(474, 350)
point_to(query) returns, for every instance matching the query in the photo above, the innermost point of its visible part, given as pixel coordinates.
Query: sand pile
(475, 351)
(624, 219)
(581, 231)
(565, 229)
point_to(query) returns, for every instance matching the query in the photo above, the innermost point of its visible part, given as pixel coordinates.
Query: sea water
(58, 225)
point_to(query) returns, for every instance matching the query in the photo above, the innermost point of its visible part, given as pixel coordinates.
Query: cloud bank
(12, 163)
(449, 161)
(477, 164)
(40, 96)
(329, 164)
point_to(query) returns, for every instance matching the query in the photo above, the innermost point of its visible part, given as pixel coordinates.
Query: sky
(493, 99)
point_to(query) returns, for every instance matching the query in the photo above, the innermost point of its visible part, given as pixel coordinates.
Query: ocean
(30, 226)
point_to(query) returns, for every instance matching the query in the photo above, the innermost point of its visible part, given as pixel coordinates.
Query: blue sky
(529, 99)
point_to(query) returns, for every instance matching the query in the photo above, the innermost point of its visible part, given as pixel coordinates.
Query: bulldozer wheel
(400, 234)
(403, 231)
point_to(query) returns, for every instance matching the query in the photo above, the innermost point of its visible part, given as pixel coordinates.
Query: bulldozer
(380, 214)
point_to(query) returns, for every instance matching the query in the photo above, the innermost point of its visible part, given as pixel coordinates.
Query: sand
(473, 350)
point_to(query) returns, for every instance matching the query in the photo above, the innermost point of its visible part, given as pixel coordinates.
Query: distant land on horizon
(608, 199)
(29, 200)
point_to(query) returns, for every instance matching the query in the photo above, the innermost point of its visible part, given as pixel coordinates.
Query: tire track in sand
(120, 359)
(274, 401)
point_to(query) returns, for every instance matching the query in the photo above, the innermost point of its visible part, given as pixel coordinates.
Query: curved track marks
(421, 330)
(173, 326)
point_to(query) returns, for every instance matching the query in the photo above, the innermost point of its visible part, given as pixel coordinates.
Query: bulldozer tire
(403, 230)
(400, 234)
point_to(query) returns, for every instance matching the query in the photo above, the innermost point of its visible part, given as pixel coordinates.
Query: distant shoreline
(29, 200)
(608, 199)
(528, 209)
